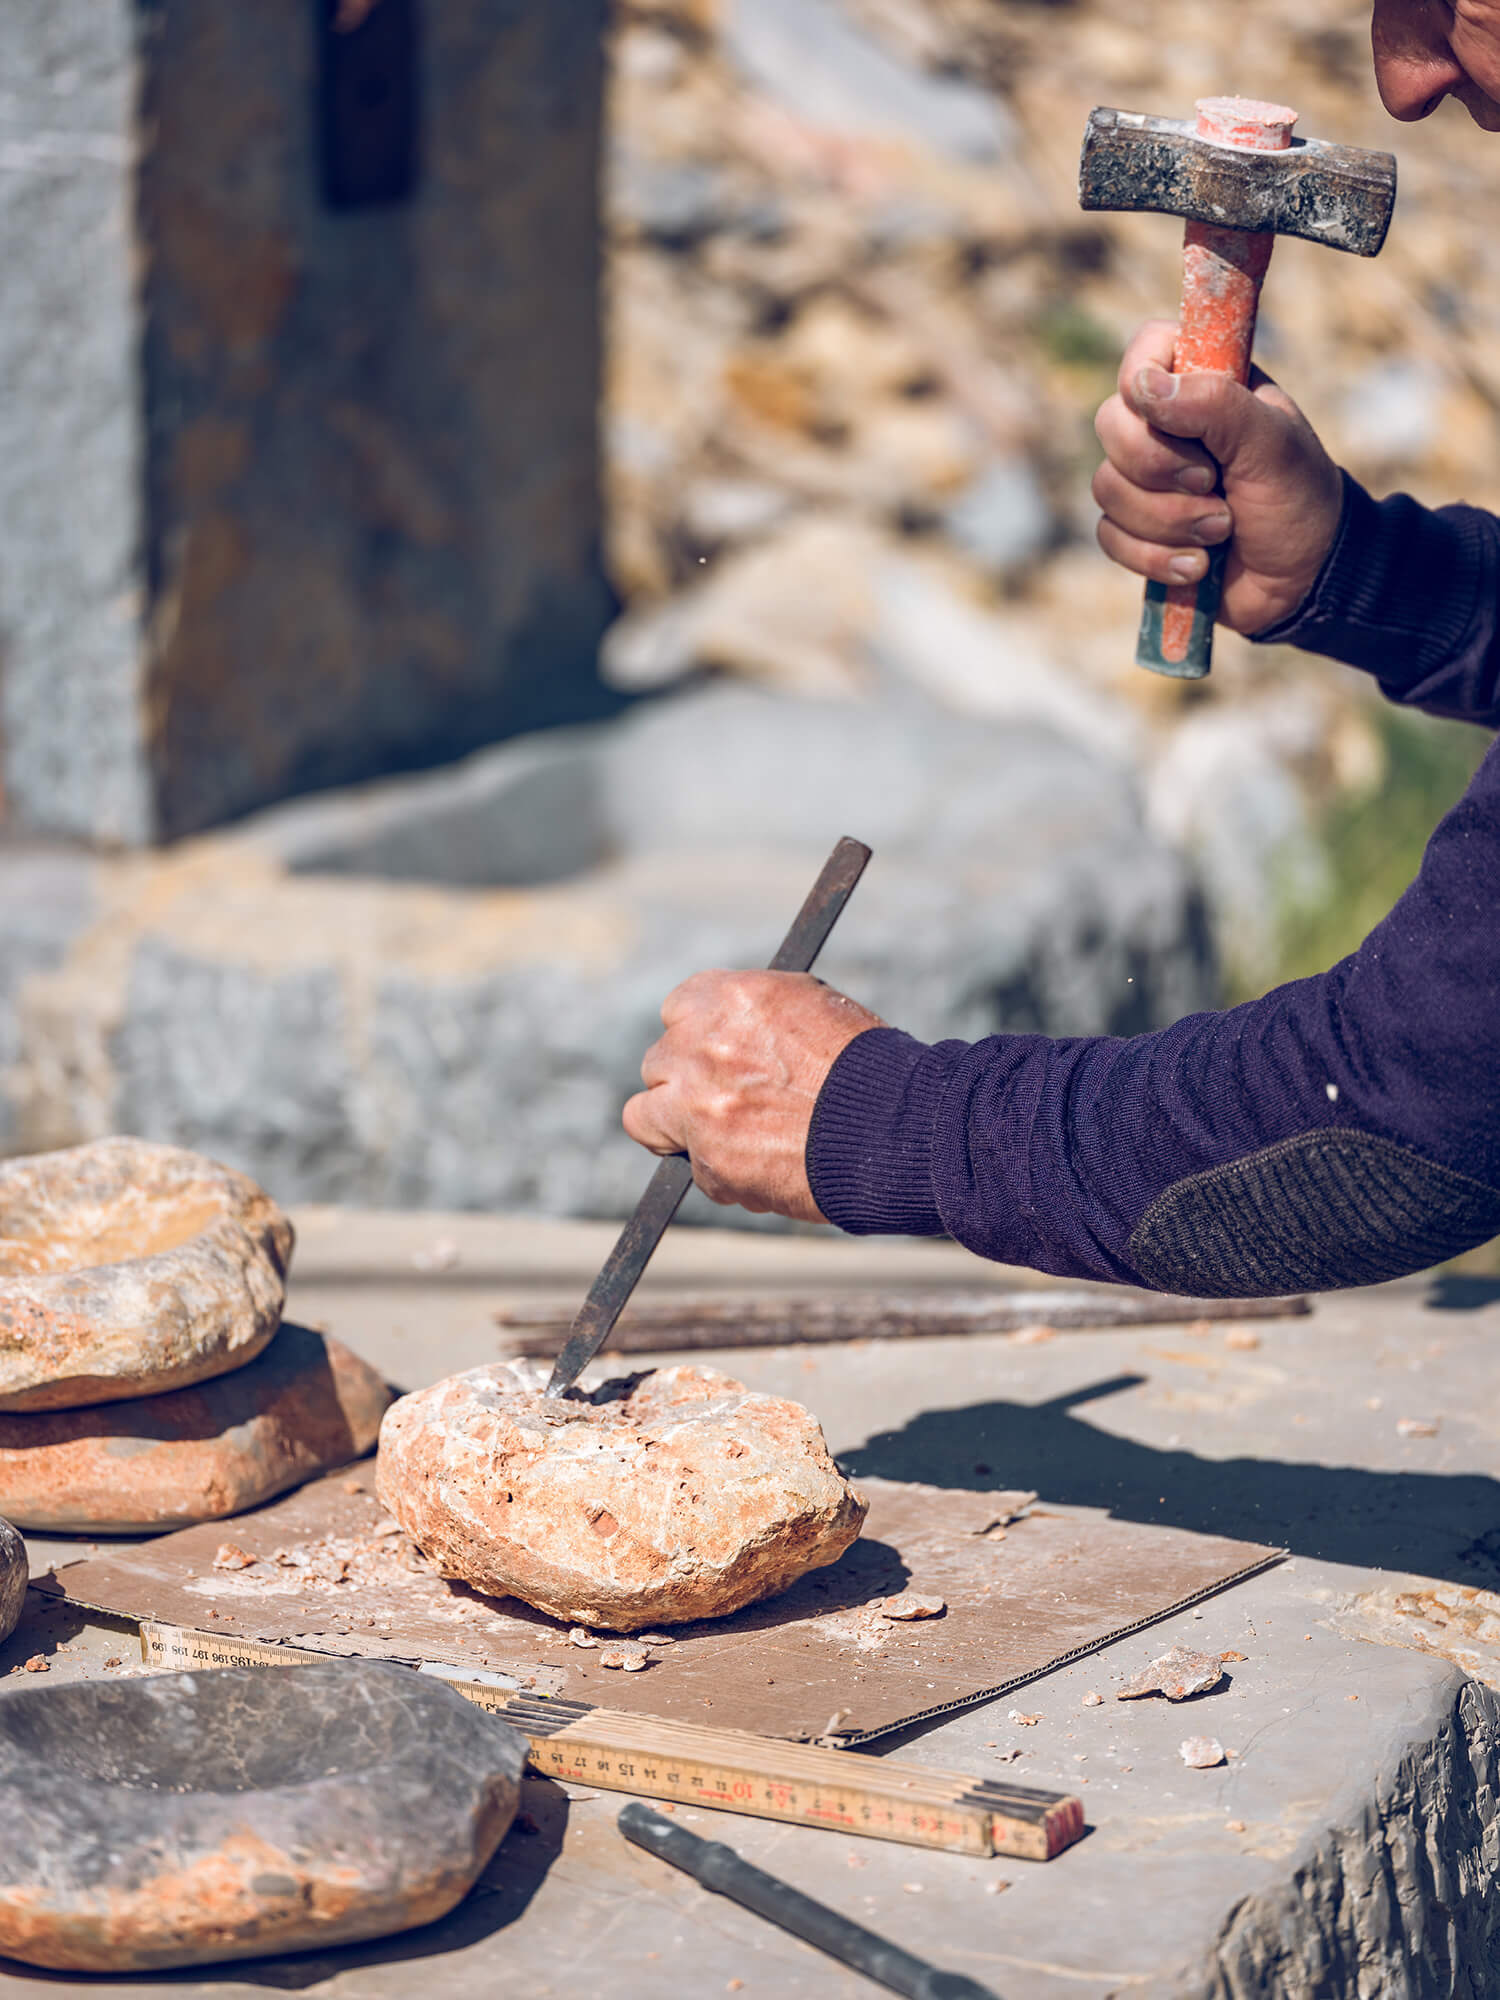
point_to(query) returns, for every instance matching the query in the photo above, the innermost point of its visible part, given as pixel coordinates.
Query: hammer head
(1339, 195)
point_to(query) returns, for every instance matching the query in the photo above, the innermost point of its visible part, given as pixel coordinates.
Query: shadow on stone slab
(47, 1623)
(867, 1570)
(188, 1819)
(1436, 1524)
(1455, 1291)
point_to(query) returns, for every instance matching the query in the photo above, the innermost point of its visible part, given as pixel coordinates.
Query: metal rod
(719, 1868)
(611, 1290)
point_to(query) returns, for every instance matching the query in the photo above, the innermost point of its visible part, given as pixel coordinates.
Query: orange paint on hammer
(1222, 270)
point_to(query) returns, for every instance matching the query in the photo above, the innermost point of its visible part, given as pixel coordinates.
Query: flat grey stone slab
(1347, 1848)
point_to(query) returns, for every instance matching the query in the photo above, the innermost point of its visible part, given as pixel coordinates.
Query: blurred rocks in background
(393, 1040)
(859, 330)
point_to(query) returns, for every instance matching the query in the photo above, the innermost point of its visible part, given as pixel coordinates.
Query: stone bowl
(187, 1818)
(302, 1407)
(14, 1576)
(128, 1268)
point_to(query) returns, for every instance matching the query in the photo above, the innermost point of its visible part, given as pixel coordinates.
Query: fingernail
(1211, 528)
(1156, 385)
(1187, 568)
(1195, 478)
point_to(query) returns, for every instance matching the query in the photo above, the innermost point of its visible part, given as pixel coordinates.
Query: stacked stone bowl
(147, 1379)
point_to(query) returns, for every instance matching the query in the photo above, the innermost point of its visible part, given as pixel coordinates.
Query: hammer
(1239, 179)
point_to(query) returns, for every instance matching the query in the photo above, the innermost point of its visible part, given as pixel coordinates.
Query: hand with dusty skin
(1171, 440)
(733, 1082)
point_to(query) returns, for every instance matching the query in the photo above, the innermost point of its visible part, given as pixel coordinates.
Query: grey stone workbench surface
(1349, 1846)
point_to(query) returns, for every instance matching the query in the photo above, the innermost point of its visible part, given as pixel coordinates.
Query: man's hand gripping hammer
(1239, 180)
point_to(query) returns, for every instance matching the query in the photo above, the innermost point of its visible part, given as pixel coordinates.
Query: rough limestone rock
(191, 1817)
(304, 1406)
(13, 1579)
(127, 1268)
(657, 1498)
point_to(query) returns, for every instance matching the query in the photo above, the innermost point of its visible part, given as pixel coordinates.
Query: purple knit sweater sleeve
(1063, 1154)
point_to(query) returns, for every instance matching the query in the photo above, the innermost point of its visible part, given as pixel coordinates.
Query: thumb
(1231, 422)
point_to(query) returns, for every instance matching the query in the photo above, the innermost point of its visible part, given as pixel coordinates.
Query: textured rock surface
(128, 1268)
(303, 1406)
(662, 1497)
(13, 1578)
(1398, 1897)
(192, 1817)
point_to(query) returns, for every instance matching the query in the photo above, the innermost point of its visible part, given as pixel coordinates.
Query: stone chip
(1177, 1673)
(127, 1268)
(657, 1498)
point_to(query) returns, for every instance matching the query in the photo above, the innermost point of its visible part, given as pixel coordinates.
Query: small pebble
(579, 1637)
(1025, 1721)
(996, 1888)
(114, 1660)
(1201, 1753)
(230, 1556)
(1417, 1427)
(1234, 1826)
(353, 1486)
(631, 1659)
(911, 1604)
(38, 1664)
(1231, 1654)
(1092, 1700)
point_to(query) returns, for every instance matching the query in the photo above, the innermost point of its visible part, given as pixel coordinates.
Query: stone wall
(294, 493)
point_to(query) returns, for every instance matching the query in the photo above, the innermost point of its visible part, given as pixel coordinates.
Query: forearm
(1338, 1131)
(1412, 596)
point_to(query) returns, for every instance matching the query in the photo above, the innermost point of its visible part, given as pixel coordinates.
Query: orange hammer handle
(1222, 270)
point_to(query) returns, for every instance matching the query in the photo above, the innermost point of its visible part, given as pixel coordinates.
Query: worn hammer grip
(1222, 270)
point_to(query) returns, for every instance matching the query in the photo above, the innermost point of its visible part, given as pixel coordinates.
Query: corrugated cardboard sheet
(1047, 1588)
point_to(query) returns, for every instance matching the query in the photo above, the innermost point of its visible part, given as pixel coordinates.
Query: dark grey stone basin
(13, 1576)
(191, 1817)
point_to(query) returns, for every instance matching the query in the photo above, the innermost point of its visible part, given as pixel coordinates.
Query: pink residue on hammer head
(1246, 121)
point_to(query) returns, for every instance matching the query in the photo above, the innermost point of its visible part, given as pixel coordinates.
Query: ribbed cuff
(1398, 593)
(1326, 591)
(869, 1147)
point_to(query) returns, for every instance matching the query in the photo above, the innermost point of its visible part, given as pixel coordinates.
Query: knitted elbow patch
(1311, 1214)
